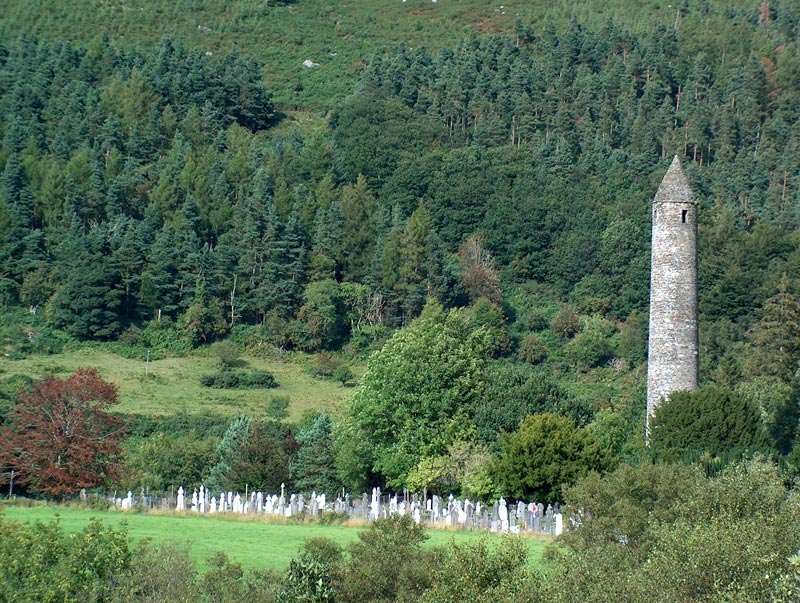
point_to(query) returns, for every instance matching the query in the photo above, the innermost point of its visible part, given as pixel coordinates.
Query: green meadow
(252, 542)
(172, 385)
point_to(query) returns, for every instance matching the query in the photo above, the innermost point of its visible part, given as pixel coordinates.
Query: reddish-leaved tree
(59, 438)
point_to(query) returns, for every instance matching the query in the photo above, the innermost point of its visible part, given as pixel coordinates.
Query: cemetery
(434, 512)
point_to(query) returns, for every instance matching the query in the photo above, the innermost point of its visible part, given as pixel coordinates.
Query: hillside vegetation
(173, 385)
(206, 240)
(470, 204)
(155, 199)
(339, 36)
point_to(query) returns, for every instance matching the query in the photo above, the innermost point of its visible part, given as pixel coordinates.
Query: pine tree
(88, 301)
(314, 467)
(160, 288)
(776, 337)
(358, 230)
(236, 437)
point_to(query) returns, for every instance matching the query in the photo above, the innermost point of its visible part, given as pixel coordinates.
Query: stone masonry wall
(673, 341)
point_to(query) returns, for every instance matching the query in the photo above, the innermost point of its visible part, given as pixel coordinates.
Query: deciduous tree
(414, 400)
(60, 438)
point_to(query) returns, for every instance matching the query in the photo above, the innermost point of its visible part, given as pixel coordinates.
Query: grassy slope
(254, 543)
(340, 36)
(173, 384)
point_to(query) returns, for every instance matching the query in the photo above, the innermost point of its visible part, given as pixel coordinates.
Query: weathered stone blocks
(673, 343)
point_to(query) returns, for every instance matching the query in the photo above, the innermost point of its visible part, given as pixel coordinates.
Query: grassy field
(172, 385)
(252, 542)
(339, 36)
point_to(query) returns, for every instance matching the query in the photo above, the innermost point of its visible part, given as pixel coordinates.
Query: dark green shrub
(711, 420)
(259, 379)
(277, 407)
(226, 352)
(46, 341)
(326, 364)
(227, 378)
(323, 549)
(343, 374)
(387, 563)
(566, 323)
(532, 349)
(307, 581)
(38, 562)
(593, 346)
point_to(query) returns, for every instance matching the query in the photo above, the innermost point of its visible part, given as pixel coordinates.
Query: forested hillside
(154, 193)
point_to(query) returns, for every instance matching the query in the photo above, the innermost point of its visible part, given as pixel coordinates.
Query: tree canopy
(415, 397)
(59, 436)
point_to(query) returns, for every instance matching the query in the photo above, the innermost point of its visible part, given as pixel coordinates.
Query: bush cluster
(232, 379)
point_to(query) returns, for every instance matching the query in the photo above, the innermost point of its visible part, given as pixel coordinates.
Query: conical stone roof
(674, 186)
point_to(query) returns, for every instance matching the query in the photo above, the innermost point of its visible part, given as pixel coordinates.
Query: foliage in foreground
(651, 532)
(666, 533)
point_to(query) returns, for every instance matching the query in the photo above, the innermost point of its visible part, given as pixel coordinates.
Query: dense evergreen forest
(489, 199)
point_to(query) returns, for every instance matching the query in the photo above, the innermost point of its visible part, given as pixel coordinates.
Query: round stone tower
(672, 363)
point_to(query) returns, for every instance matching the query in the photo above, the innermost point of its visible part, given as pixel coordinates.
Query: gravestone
(503, 515)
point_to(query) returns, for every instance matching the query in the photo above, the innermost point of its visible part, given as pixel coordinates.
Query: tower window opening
(684, 213)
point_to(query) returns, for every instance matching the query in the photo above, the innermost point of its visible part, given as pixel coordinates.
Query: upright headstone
(364, 507)
(503, 515)
(180, 503)
(375, 504)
